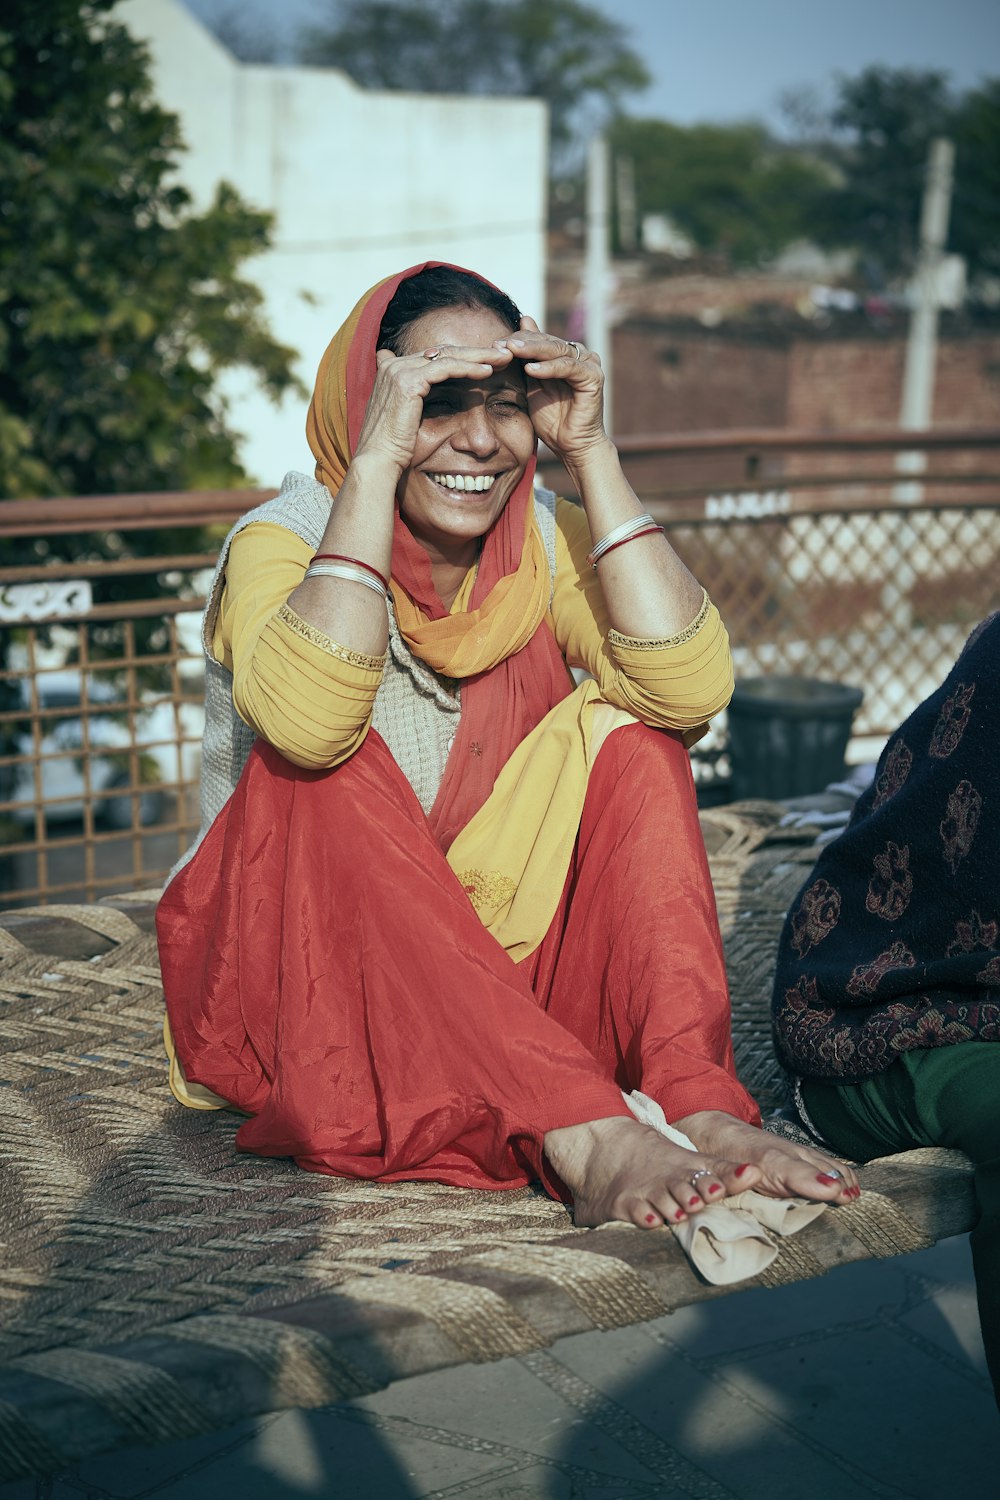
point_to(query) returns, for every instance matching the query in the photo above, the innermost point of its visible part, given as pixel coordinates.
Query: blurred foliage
(883, 123)
(975, 217)
(119, 305)
(730, 188)
(855, 179)
(569, 54)
(247, 35)
(976, 209)
(881, 128)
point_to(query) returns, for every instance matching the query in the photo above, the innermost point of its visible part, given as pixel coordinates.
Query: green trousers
(944, 1096)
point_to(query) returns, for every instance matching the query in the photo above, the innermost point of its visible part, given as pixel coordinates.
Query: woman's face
(472, 432)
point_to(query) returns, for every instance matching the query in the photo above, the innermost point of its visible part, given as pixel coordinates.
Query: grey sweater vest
(415, 712)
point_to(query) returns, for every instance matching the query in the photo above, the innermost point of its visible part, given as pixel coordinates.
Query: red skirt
(326, 973)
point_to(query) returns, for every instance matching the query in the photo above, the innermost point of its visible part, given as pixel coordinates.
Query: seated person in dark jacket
(887, 995)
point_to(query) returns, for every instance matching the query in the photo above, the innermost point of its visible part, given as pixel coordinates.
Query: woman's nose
(474, 432)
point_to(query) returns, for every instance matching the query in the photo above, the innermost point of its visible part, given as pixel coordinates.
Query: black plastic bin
(788, 735)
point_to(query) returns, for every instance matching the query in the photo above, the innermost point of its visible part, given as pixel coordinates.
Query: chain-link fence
(101, 685)
(881, 599)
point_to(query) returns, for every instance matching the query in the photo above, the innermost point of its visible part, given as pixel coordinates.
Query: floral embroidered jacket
(894, 941)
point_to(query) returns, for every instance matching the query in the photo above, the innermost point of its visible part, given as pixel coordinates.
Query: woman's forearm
(360, 526)
(649, 592)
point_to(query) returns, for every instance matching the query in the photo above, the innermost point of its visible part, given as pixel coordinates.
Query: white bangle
(620, 534)
(344, 570)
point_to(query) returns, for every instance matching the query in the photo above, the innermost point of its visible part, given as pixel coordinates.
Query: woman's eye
(506, 408)
(435, 406)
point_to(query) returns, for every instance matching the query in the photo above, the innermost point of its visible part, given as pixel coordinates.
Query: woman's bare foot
(786, 1170)
(618, 1169)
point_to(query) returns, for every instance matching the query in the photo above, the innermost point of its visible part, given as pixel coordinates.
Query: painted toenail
(826, 1179)
(694, 1200)
(679, 1214)
(715, 1188)
(854, 1192)
(743, 1167)
(650, 1218)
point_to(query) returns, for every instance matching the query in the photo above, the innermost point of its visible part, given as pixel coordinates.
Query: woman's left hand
(565, 386)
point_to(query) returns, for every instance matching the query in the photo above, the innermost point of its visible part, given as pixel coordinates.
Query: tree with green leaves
(975, 221)
(732, 190)
(855, 180)
(248, 35)
(883, 121)
(119, 305)
(882, 124)
(574, 57)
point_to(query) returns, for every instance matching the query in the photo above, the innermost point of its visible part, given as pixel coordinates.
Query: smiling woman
(445, 909)
(473, 445)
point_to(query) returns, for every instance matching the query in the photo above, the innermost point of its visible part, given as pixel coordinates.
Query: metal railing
(801, 539)
(101, 699)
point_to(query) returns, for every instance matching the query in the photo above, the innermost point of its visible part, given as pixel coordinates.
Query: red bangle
(339, 557)
(646, 531)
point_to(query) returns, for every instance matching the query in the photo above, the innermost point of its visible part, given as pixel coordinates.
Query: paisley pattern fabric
(893, 943)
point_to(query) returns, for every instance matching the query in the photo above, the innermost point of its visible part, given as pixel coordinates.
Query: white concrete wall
(361, 184)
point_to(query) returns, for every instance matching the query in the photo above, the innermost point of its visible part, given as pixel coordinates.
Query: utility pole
(628, 235)
(917, 409)
(598, 264)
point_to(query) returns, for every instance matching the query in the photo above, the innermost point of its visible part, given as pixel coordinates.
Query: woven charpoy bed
(157, 1284)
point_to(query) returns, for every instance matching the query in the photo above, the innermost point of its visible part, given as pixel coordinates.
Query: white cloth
(729, 1241)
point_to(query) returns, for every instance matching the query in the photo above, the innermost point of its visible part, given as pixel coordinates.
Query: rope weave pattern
(140, 1244)
(300, 1365)
(607, 1290)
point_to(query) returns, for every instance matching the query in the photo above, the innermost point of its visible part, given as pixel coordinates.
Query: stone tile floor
(868, 1382)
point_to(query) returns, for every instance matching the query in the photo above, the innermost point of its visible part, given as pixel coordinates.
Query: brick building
(677, 376)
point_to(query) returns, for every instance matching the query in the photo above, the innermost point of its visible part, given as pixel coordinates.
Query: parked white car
(63, 786)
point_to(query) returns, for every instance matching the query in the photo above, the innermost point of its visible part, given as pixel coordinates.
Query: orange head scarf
(500, 646)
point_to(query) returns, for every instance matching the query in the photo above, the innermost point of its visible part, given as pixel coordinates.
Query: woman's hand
(565, 392)
(648, 591)
(403, 383)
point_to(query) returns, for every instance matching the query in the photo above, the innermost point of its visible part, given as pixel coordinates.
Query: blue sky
(733, 59)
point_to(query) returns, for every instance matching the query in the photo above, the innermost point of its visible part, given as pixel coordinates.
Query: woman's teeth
(464, 481)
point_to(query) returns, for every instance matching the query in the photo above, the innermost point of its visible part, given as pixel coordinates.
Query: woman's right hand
(403, 383)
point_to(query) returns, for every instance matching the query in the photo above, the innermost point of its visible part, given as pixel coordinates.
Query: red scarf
(502, 704)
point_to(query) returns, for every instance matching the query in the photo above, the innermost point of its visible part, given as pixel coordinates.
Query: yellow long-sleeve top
(312, 698)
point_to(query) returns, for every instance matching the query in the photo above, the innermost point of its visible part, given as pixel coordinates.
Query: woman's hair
(440, 286)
